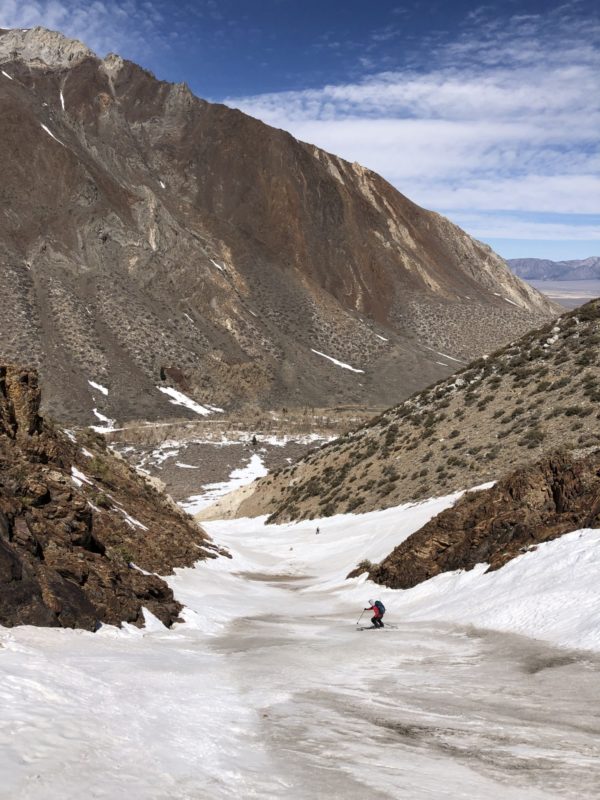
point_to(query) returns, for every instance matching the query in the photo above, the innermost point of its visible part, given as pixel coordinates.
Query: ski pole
(359, 619)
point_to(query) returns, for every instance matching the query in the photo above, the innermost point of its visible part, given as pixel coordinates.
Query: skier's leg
(374, 622)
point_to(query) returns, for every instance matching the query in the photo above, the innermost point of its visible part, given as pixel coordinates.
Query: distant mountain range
(541, 269)
(155, 248)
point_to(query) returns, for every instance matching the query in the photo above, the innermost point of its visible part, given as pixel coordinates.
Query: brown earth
(154, 239)
(74, 519)
(540, 393)
(557, 495)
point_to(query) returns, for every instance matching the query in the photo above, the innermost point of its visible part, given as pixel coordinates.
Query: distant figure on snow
(378, 609)
(318, 531)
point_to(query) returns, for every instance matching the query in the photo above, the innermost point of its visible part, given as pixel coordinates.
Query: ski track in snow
(268, 690)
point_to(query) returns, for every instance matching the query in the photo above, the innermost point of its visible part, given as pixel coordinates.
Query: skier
(378, 609)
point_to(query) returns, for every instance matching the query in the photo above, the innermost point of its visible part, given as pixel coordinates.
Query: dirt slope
(154, 239)
(539, 393)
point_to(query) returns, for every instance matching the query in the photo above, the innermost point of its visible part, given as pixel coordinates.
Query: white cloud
(504, 118)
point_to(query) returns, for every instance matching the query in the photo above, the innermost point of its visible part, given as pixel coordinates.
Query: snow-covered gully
(269, 691)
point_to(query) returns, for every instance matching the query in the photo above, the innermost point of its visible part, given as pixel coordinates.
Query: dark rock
(535, 504)
(63, 559)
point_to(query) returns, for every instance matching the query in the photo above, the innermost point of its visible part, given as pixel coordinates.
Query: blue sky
(486, 112)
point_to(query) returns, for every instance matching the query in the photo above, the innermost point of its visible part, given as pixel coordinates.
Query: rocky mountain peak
(42, 47)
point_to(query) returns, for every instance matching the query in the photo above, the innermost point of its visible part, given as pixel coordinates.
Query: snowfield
(269, 690)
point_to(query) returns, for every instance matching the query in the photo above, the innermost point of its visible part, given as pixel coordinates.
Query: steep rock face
(536, 504)
(149, 233)
(540, 393)
(73, 518)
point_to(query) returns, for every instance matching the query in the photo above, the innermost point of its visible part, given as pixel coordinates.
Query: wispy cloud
(129, 27)
(503, 118)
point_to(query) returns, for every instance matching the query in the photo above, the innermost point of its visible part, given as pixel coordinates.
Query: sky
(486, 112)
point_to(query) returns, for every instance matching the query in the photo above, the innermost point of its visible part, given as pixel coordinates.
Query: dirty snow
(180, 399)
(269, 691)
(99, 387)
(336, 362)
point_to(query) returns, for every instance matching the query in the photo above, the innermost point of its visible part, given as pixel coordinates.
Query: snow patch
(336, 362)
(180, 399)
(6, 75)
(79, 478)
(239, 477)
(218, 266)
(62, 99)
(49, 132)
(99, 387)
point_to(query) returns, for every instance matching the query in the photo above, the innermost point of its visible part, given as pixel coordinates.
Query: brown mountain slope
(539, 393)
(534, 504)
(151, 238)
(72, 518)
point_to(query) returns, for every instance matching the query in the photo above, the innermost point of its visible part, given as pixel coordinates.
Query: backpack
(380, 606)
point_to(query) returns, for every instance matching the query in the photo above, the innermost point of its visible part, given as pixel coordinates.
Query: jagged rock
(557, 495)
(65, 560)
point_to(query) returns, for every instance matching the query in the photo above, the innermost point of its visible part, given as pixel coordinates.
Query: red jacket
(376, 610)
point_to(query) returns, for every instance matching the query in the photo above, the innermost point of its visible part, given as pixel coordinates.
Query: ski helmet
(371, 602)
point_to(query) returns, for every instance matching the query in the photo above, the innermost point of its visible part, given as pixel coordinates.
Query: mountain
(539, 393)
(154, 240)
(585, 269)
(81, 534)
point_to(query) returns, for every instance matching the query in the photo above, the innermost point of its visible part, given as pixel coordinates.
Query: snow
(188, 317)
(266, 691)
(108, 426)
(239, 477)
(99, 387)
(185, 466)
(87, 453)
(6, 75)
(70, 435)
(336, 362)
(512, 302)
(79, 478)
(49, 132)
(383, 339)
(163, 184)
(218, 266)
(62, 100)
(180, 399)
(443, 355)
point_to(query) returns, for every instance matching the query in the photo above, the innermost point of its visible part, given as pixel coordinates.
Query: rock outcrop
(557, 495)
(154, 239)
(81, 533)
